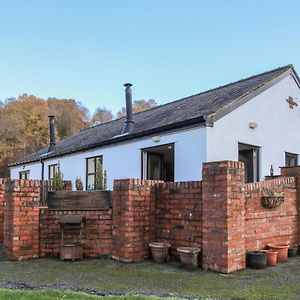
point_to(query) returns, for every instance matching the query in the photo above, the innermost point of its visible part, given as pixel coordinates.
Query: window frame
(26, 173)
(289, 156)
(95, 170)
(55, 169)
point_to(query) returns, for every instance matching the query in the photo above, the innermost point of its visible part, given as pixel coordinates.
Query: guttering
(202, 120)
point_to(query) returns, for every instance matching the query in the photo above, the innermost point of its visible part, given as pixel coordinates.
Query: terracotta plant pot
(189, 256)
(292, 252)
(160, 251)
(257, 259)
(282, 250)
(271, 257)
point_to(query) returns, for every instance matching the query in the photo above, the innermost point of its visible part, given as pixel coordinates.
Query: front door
(248, 154)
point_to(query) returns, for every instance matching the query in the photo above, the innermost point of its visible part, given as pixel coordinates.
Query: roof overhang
(195, 122)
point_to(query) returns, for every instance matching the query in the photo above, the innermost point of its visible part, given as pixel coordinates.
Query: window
(91, 170)
(158, 163)
(52, 171)
(24, 175)
(291, 159)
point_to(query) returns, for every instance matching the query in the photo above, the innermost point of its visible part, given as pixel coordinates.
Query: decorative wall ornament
(271, 199)
(290, 100)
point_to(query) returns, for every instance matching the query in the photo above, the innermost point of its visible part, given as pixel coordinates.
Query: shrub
(58, 179)
(79, 184)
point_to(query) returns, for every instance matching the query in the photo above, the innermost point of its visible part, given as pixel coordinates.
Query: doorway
(249, 155)
(158, 163)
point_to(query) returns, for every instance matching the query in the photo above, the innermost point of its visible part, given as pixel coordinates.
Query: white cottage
(254, 120)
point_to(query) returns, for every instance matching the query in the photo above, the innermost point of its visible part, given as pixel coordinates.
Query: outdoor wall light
(253, 125)
(156, 139)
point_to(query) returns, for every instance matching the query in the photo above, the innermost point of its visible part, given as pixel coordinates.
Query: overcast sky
(168, 49)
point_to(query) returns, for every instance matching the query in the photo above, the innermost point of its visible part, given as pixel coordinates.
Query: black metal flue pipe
(129, 112)
(52, 133)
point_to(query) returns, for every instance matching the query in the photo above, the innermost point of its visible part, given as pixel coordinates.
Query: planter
(271, 257)
(282, 250)
(272, 201)
(292, 252)
(160, 251)
(257, 259)
(72, 252)
(189, 256)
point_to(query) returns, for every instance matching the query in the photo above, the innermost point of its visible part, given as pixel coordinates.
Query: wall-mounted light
(253, 125)
(156, 139)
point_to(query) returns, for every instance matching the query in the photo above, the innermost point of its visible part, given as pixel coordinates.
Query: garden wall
(2, 189)
(94, 206)
(178, 214)
(275, 225)
(221, 214)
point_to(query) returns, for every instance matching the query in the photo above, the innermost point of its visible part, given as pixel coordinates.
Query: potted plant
(160, 251)
(282, 250)
(189, 256)
(256, 259)
(271, 199)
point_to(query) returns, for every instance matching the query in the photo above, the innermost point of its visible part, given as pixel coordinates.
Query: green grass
(147, 278)
(52, 294)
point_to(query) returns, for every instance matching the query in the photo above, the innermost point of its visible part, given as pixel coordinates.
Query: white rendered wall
(124, 160)
(35, 170)
(277, 131)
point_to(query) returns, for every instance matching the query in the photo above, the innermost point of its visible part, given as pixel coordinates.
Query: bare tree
(102, 115)
(138, 106)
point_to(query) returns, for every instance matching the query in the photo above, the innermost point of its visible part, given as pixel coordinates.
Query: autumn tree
(25, 129)
(102, 115)
(138, 106)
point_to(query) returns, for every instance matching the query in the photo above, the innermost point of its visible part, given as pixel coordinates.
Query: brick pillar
(133, 219)
(2, 191)
(21, 219)
(295, 172)
(223, 216)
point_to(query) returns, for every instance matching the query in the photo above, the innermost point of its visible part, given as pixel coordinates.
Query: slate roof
(192, 110)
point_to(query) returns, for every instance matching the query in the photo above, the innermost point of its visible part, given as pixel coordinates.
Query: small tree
(101, 177)
(105, 181)
(58, 179)
(79, 184)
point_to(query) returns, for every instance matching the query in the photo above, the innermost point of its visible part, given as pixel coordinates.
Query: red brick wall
(2, 191)
(223, 216)
(97, 231)
(178, 215)
(270, 225)
(295, 172)
(21, 219)
(133, 219)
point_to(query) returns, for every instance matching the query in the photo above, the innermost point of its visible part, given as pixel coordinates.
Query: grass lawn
(47, 295)
(108, 277)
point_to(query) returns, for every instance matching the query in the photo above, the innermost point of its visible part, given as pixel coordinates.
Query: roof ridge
(201, 93)
(221, 86)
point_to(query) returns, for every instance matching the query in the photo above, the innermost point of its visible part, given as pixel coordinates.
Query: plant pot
(271, 257)
(160, 251)
(282, 250)
(189, 256)
(292, 252)
(257, 259)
